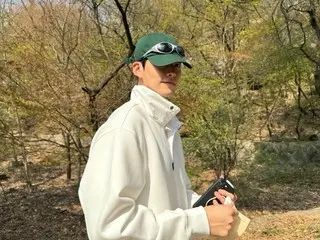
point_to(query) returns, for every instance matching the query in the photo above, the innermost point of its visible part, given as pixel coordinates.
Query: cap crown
(148, 41)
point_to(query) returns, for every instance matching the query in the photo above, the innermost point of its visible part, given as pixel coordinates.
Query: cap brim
(167, 59)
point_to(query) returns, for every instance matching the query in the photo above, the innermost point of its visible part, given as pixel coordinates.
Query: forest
(250, 105)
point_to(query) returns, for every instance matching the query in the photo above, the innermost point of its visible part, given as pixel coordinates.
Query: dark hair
(143, 61)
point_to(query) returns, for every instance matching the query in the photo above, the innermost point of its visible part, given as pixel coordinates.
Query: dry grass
(281, 226)
(279, 190)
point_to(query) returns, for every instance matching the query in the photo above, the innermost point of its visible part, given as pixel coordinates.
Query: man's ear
(137, 69)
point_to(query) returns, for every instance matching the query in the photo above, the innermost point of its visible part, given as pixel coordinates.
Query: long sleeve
(192, 196)
(109, 192)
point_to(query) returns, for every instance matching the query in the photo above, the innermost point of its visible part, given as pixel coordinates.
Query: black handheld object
(208, 197)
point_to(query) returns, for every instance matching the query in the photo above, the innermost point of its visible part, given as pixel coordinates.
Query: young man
(135, 185)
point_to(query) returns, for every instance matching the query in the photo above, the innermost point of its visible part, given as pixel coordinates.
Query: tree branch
(92, 92)
(313, 22)
(126, 24)
(307, 55)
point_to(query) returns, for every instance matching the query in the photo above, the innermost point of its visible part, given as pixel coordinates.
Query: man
(135, 185)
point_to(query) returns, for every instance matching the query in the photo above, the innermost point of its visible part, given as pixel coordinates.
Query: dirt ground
(52, 212)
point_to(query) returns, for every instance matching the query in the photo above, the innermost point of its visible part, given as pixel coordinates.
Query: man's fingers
(235, 197)
(219, 197)
(215, 202)
(227, 194)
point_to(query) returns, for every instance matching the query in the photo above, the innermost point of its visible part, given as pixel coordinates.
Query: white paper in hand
(239, 225)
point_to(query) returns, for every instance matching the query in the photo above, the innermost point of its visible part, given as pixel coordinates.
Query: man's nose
(171, 74)
(171, 71)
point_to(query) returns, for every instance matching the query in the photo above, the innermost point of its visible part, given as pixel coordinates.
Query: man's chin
(167, 94)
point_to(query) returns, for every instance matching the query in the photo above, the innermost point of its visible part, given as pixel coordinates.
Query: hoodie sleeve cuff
(198, 221)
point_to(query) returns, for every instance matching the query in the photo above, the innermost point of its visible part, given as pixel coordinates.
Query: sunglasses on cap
(165, 47)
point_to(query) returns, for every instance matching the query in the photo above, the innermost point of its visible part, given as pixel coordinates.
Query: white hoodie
(135, 185)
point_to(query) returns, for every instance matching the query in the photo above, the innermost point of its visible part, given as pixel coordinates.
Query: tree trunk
(80, 147)
(298, 127)
(66, 137)
(317, 79)
(93, 113)
(14, 150)
(26, 167)
(23, 147)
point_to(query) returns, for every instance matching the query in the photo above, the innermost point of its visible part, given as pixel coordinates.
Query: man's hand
(221, 216)
(222, 194)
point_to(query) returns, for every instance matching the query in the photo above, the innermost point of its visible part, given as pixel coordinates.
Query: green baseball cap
(145, 43)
